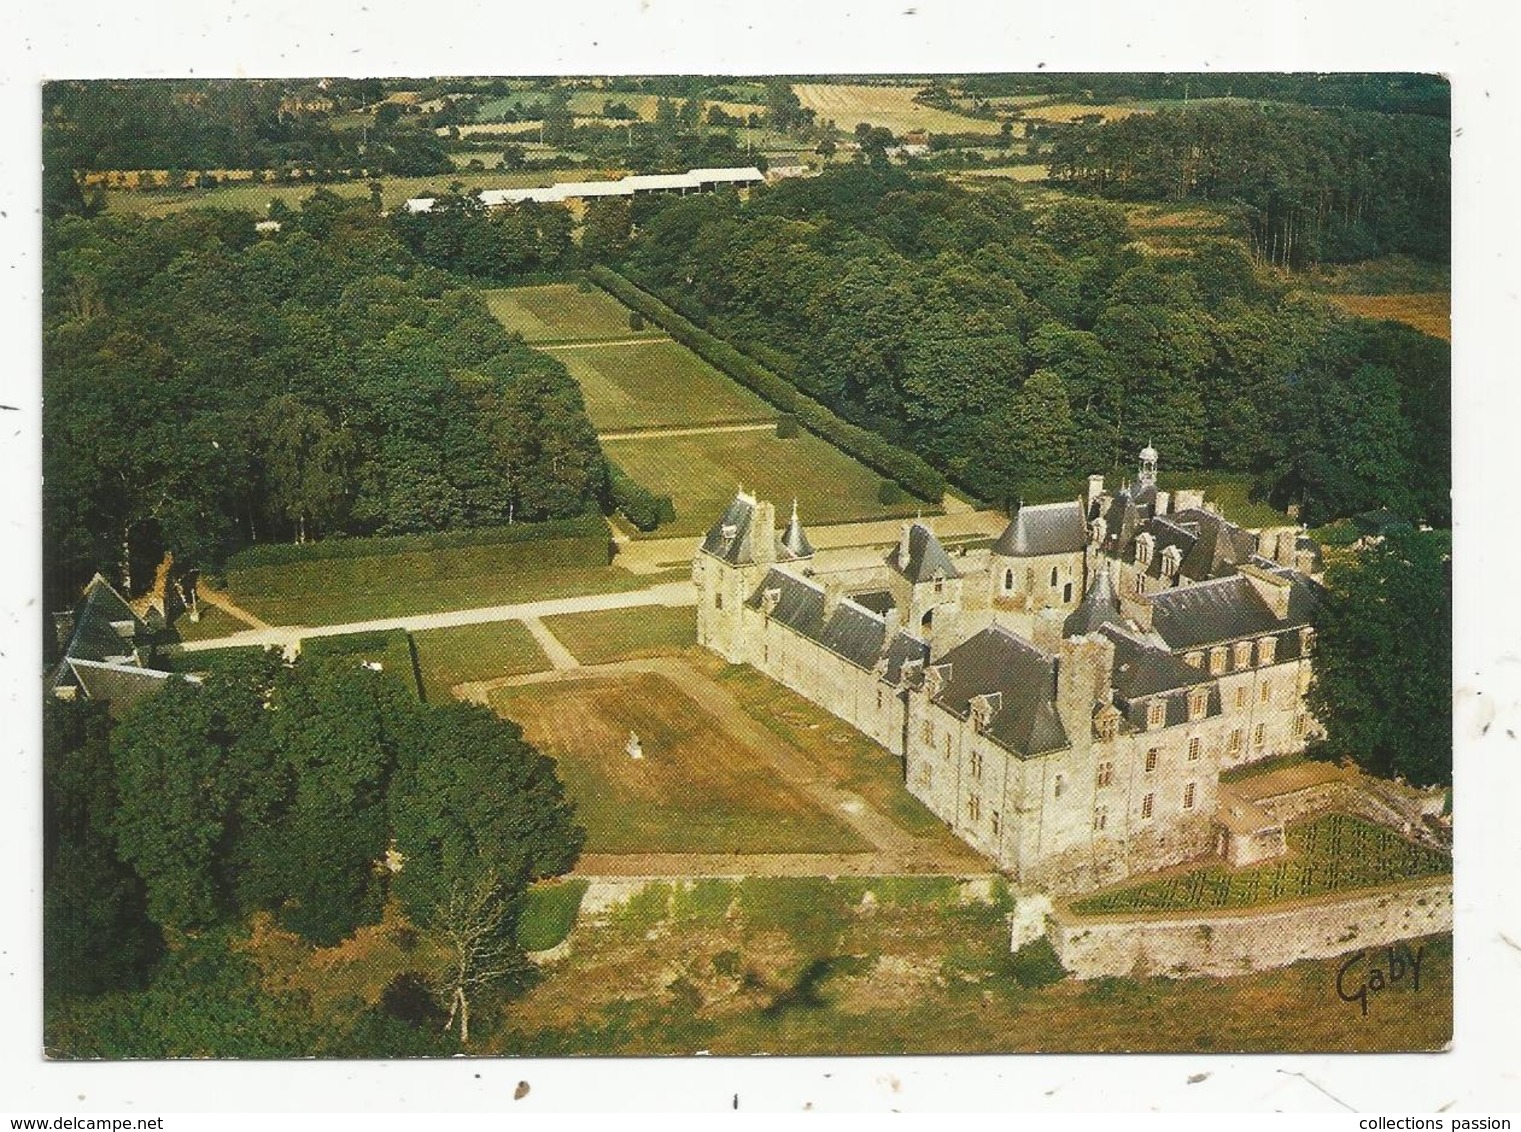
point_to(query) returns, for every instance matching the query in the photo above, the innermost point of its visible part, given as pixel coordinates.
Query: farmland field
(701, 472)
(1429, 312)
(658, 384)
(1067, 111)
(890, 106)
(562, 312)
(463, 653)
(606, 635)
(697, 789)
(1333, 853)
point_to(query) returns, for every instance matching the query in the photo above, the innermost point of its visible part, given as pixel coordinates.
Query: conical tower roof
(1100, 606)
(795, 539)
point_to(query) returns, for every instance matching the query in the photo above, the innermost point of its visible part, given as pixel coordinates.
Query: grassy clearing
(655, 384)
(214, 623)
(700, 474)
(562, 312)
(624, 634)
(1022, 173)
(891, 106)
(1333, 853)
(698, 789)
(360, 589)
(842, 754)
(549, 912)
(1429, 312)
(465, 653)
(810, 966)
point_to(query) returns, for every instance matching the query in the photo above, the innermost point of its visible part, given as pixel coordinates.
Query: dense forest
(299, 791)
(1008, 345)
(1311, 185)
(208, 387)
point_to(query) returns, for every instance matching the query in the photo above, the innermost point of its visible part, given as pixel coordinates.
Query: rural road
(694, 430)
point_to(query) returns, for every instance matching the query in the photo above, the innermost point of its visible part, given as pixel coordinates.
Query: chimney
(1084, 671)
(1188, 499)
(1163, 500)
(1046, 630)
(1270, 588)
(763, 533)
(1095, 489)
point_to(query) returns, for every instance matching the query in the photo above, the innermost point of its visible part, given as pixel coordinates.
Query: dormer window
(1217, 660)
(1145, 546)
(1307, 640)
(1156, 713)
(1172, 561)
(1198, 703)
(1243, 654)
(939, 584)
(1267, 649)
(1194, 659)
(769, 600)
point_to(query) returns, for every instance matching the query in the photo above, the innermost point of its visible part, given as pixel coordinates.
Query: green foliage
(1382, 675)
(635, 321)
(891, 493)
(1036, 965)
(787, 427)
(639, 506)
(549, 913)
(390, 648)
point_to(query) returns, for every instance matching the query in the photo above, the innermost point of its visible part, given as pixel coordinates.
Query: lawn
(339, 590)
(562, 312)
(891, 106)
(623, 634)
(465, 653)
(388, 648)
(700, 473)
(1333, 853)
(214, 623)
(549, 912)
(698, 789)
(657, 384)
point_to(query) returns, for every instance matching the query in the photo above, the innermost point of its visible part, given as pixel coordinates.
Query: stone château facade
(1065, 699)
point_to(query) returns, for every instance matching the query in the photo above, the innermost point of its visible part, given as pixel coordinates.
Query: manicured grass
(1430, 312)
(890, 106)
(388, 648)
(465, 653)
(214, 623)
(623, 634)
(1333, 853)
(549, 912)
(562, 312)
(843, 755)
(655, 384)
(698, 789)
(700, 474)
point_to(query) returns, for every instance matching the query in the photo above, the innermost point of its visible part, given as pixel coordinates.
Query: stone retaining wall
(1233, 943)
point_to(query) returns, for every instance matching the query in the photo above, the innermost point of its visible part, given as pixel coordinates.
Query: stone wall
(1233, 943)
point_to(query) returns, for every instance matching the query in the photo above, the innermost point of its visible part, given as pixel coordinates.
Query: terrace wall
(1233, 943)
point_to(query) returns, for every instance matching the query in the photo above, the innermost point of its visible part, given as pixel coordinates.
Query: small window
(1267, 691)
(1148, 803)
(927, 733)
(1067, 592)
(973, 808)
(1216, 660)
(1060, 787)
(997, 825)
(1030, 579)
(1156, 713)
(1259, 737)
(1193, 749)
(1198, 703)
(947, 742)
(939, 584)
(718, 601)
(1241, 696)
(879, 699)
(1188, 796)
(1243, 654)
(1301, 725)
(1100, 817)
(1233, 744)
(1105, 773)
(1267, 648)
(1151, 759)
(1108, 725)
(1053, 576)
(976, 766)
(1008, 581)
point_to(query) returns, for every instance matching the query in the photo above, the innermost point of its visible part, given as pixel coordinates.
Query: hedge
(639, 505)
(589, 528)
(872, 450)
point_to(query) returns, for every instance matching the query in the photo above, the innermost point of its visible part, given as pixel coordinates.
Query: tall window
(1008, 581)
(1053, 576)
(1233, 744)
(879, 699)
(927, 733)
(1100, 817)
(976, 766)
(1300, 725)
(1105, 773)
(1217, 660)
(1188, 796)
(1198, 703)
(1060, 787)
(1193, 749)
(939, 584)
(718, 601)
(1151, 759)
(1156, 713)
(1267, 691)
(997, 825)
(1067, 592)
(1259, 737)
(1243, 654)
(1241, 696)
(1148, 803)
(973, 808)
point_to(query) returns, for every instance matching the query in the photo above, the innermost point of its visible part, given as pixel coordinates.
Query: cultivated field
(1022, 173)
(701, 472)
(562, 312)
(1333, 853)
(891, 106)
(698, 788)
(1068, 111)
(464, 653)
(657, 385)
(1429, 312)
(607, 635)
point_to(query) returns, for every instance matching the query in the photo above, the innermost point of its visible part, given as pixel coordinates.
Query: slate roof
(95, 636)
(904, 648)
(1046, 528)
(799, 605)
(1100, 606)
(1220, 546)
(119, 685)
(737, 544)
(1226, 609)
(926, 556)
(1122, 520)
(996, 662)
(855, 633)
(878, 601)
(795, 539)
(1143, 669)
